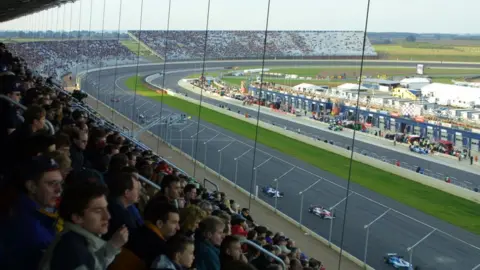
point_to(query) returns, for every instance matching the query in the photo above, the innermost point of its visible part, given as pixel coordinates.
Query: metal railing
(264, 251)
(49, 125)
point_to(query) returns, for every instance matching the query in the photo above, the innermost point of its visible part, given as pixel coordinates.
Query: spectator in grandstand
(170, 190)
(295, 264)
(246, 214)
(239, 226)
(28, 228)
(208, 239)
(227, 219)
(231, 250)
(179, 256)
(285, 259)
(64, 162)
(84, 209)
(9, 120)
(263, 260)
(34, 122)
(80, 139)
(124, 192)
(190, 194)
(115, 166)
(206, 206)
(190, 217)
(150, 240)
(62, 143)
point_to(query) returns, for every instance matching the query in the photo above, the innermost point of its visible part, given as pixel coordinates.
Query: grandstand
(59, 138)
(55, 58)
(188, 45)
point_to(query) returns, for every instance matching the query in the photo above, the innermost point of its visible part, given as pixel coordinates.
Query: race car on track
(321, 212)
(418, 149)
(271, 192)
(398, 262)
(115, 100)
(335, 127)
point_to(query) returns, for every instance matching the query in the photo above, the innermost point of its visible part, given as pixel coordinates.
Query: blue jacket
(26, 235)
(207, 256)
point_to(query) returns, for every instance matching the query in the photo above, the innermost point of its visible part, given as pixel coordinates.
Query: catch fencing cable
(194, 155)
(101, 43)
(252, 177)
(138, 65)
(165, 59)
(115, 71)
(78, 37)
(357, 111)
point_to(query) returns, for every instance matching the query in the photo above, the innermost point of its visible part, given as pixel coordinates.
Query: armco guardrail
(425, 180)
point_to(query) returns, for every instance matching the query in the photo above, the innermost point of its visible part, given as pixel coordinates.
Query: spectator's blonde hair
(190, 216)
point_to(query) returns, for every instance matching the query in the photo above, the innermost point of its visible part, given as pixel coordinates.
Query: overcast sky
(420, 16)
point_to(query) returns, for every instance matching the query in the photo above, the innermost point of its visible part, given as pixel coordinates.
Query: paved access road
(394, 232)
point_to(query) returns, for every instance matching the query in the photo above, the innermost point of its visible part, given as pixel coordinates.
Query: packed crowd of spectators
(55, 58)
(71, 196)
(184, 45)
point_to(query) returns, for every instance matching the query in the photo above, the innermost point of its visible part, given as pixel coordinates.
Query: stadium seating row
(80, 194)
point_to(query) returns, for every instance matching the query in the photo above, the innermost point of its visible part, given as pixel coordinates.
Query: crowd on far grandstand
(56, 58)
(71, 195)
(185, 45)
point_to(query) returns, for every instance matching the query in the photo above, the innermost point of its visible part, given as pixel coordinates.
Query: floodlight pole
(220, 158)
(301, 200)
(236, 163)
(205, 143)
(301, 208)
(256, 169)
(367, 227)
(476, 267)
(276, 197)
(410, 249)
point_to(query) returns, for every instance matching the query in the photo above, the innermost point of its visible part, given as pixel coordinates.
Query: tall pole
(236, 171)
(366, 247)
(220, 164)
(181, 139)
(276, 197)
(301, 208)
(331, 229)
(205, 158)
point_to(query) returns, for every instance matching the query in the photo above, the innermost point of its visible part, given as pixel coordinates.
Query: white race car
(321, 212)
(272, 192)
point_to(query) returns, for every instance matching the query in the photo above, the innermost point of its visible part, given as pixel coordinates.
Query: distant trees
(411, 38)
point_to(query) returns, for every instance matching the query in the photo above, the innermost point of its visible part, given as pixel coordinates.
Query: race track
(398, 229)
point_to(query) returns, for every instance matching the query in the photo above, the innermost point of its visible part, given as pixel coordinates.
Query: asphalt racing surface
(396, 226)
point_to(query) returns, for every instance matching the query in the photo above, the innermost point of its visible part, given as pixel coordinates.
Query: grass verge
(452, 209)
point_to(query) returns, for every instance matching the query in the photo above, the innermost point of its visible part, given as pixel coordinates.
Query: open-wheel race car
(114, 99)
(419, 150)
(398, 262)
(321, 212)
(272, 192)
(335, 127)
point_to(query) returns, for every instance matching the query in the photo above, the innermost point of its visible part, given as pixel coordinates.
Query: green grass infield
(455, 210)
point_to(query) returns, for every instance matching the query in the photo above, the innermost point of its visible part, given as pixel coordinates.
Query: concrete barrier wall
(411, 175)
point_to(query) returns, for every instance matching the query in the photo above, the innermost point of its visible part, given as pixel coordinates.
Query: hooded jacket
(78, 249)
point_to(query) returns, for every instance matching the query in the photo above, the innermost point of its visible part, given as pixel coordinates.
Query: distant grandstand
(189, 45)
(55, 58)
